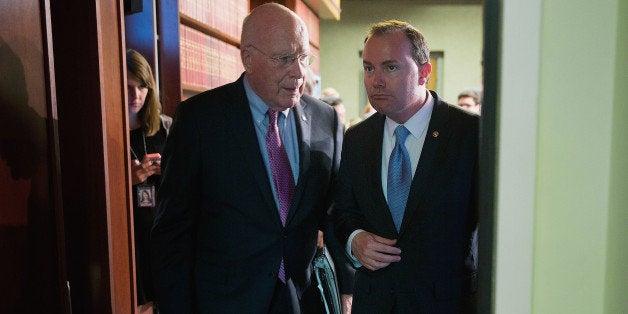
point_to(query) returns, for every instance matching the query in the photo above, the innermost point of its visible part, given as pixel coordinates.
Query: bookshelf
(194, 45)
(209, 33)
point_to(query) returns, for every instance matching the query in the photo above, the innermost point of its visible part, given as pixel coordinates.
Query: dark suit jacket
(437, 270)
(218, 239)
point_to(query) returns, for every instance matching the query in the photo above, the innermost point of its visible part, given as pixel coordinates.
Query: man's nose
(378, 81)
(297, 69)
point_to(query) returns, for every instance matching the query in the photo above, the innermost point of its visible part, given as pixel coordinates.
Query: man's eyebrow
(386, 62)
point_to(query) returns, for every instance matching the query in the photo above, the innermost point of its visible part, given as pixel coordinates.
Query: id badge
(146, 195)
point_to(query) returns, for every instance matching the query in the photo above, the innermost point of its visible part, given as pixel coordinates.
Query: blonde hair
(149, 115)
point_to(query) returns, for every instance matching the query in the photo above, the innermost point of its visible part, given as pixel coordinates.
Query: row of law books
(209, 39)
(222, 15)
(207, 62)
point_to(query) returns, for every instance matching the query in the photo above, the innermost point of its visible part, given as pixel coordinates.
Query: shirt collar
(257, 105)
(418, 122)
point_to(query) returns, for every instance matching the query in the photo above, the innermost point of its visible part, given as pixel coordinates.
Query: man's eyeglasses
(285, 61)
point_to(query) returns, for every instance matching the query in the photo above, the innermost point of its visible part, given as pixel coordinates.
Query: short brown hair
(420, 50)
(477, 97)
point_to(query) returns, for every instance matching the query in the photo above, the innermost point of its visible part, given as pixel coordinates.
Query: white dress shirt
(417, 125)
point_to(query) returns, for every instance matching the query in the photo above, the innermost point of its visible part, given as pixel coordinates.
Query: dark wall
(31, 274)
(64, 200)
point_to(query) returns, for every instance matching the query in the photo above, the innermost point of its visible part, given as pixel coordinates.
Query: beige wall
(456, 30)
(562, 170)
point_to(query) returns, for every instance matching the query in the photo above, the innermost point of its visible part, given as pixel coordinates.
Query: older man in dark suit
(248, 174)
(407, 200)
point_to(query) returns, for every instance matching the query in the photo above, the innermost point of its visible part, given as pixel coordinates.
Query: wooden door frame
(89, 87)
(488, 152)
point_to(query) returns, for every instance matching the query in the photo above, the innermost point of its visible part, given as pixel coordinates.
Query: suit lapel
(435, 142)
(302, 118)
(373, 166)
(245, 137)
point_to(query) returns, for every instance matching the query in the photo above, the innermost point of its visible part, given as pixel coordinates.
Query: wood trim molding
(192, 23)
(90, 90)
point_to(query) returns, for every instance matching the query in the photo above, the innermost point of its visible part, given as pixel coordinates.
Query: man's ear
(245, 55)
(424, 72)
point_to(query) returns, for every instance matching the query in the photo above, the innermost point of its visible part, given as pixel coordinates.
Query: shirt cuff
(354, 260)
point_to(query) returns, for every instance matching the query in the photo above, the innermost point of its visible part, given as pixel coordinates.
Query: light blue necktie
(399, 176)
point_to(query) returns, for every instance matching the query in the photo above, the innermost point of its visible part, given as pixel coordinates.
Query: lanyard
(145, 151)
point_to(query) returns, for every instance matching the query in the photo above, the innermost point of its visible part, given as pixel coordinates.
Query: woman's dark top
(143, 216)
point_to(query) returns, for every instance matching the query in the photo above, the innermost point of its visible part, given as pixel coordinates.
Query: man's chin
(293, 101)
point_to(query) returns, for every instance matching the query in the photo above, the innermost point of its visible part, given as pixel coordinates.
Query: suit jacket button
(271, 274)
(284, 234)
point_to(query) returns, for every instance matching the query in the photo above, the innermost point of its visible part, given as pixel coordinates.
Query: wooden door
(88, 80)
(64, 201)
(32, 264)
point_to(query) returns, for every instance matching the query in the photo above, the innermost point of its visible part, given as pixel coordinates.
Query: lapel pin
(303, 117)
(435, 134)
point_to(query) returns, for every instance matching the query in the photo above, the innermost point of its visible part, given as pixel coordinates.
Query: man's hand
(374, 252)
(320, 242)
(347, 300)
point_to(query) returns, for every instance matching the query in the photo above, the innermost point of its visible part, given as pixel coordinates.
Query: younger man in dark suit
(248, 172)
(407, 200)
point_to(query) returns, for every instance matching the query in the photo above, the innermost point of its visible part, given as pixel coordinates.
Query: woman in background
(148, 132)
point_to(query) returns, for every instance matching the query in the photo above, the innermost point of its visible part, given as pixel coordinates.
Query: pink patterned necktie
(281, 173)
